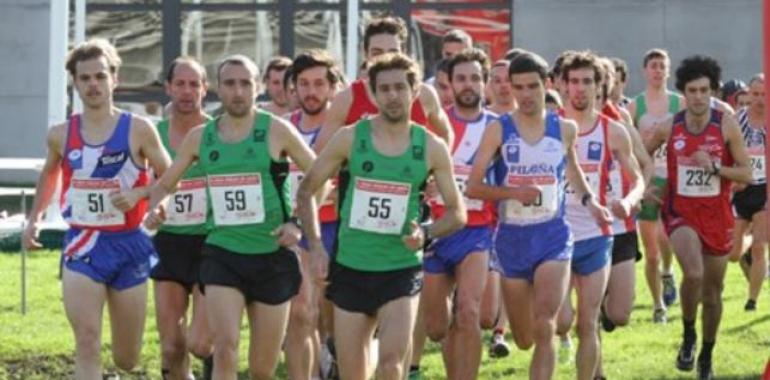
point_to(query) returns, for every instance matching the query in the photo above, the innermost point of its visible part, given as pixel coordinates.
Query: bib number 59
(235, 200)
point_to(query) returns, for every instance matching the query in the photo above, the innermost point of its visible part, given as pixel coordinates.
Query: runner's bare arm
(437, 118)
(440, 162)
(741, 170)
(621, 145)
(661, 131)
(577, 178)
(186, 154)
(640, 153)
(335, 118)
(47, 183)
(286, 139)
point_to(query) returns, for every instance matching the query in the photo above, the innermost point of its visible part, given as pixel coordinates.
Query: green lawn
(40, 345)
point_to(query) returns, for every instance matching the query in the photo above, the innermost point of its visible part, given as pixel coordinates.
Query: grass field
(40, 344)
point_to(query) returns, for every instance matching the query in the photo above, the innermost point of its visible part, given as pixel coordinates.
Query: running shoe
(498, 348)
(669, 289)
(685, 359)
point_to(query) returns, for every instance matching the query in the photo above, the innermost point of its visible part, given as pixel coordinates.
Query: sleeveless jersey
(645, 122)
(620, 182)
(467, 138)
(594, 157)
(540, 164)
(187, 208)
(90, 173)
(363, 106)
(755, 146)
(380, 197)
(694, 195)
(248, 193)
(327, 211)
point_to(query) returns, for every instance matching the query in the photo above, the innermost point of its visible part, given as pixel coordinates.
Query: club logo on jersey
(679, 144)
(512, 153)
(594, 150)
(259, 135)
(418, 153)
(249, 153)
(367, 166)
(75, 154)
(361, 146)
(113, 159)
(214, 155)
(406, 172)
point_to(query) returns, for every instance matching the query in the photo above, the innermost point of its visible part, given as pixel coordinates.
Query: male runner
(375, 275)
(273, 80)
(617, 95)
(315, 79)
(179, 241)
(455, 41)
(705, 151)
(500, 86)
(750, 200)
(533, 151)
(442, 85)
(653, 105)
(246, 262)
(460, 262)
(381, 36)
(600, 140)
(103, 157)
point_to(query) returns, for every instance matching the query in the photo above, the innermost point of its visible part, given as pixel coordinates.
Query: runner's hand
(526, 194)
(704, 160)
(155, 218)
(601, 214)
(288, 234)
(651, 195)
(29, 237)
(621, 209)
(320, 262)
(414, 240)
(125, 200)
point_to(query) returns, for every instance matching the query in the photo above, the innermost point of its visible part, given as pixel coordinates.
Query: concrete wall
(24, 36)
(730, 31)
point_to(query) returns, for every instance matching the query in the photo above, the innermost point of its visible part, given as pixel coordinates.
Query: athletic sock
(705, 352)
(414, 368)
(498, 330)
(689, 332)
(164, 373)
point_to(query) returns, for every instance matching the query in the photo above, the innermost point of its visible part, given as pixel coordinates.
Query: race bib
(660, 161)
(295, 177)
(187, 206)
(694, 181)
(593, 178)
(379, 206)
(542, 208)
(237, 199)
(461, 175)
(91, 206)
(757, 162)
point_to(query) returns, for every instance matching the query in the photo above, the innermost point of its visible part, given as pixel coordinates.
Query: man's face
(380, 44)
(237, 89)
(618, 88)
(186, 89)
(757, 96)
(500, 84)
(698, 94)
(94, 82)
(581, 88)
(275, 87)
(314, 90)
(444, 89)
(742, 99)
(468, 84)
(656, 72)
(394, 95)
(529, 92)
(449, 49)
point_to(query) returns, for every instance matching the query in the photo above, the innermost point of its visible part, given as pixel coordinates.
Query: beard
(468, 99)
(307, 109)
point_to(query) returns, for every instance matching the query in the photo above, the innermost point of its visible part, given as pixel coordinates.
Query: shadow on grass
(745, 326)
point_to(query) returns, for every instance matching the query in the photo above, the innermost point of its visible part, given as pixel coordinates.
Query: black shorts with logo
(179, 258)
(271, 278)
(365, 292)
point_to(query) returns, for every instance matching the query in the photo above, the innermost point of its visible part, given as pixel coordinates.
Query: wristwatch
(716, 166)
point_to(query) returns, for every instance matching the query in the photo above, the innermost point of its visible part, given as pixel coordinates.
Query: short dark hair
(314, 58)
(552, 96)
(279, 63)
(93, 48)
(458, 36)
(529, 62)
(696, 67)
(583, 60)
(621, 68)
(385, 25)
(238, 60)
(470, 55)
(189, 61)
(559, 62)
(286, 80)
(653, 54)
(443, 66)
(393, 61)
(513, 53)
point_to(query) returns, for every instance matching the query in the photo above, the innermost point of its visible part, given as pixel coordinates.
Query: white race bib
(694, 181)
(295, 177)
(91, 206)
(660, 161)
(379, 206)
(757, 161)
(237, 199)
(461, 174)
(187, 206)
(593, 178)
(543, 208)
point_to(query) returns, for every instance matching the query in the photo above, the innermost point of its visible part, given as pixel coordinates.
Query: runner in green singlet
(376, 275)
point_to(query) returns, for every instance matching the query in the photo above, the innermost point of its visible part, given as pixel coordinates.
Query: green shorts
(649, 211)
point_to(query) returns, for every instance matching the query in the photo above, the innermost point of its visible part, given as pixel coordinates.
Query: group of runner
(351, 222)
